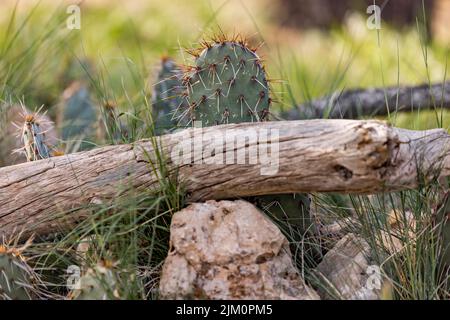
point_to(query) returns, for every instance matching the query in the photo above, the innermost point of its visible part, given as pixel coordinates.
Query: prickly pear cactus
(77, 116)
(167, 100)
(33, 136)
(98, 283)
(15, 276)
(26, 133)
(227, 84)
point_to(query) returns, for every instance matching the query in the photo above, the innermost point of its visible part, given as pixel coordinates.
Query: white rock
(229, 250)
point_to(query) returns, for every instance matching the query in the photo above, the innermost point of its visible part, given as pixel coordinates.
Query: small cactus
(16, 276)
(33, 136)
(98, 283)
(227, 84)
(167, 100)
(34, 140)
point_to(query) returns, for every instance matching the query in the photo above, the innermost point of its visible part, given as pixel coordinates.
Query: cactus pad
(15, 275)
(77, 115)
(227, 84)
(98, 283)
(167, 99)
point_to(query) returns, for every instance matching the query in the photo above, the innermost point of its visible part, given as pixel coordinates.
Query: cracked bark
(347, 156)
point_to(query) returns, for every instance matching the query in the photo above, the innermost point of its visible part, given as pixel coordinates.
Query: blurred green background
(310, 48)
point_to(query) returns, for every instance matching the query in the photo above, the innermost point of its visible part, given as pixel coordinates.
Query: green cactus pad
(167, 100)
(227, 84)
(78, 115)
(15, 277)
(99, 283)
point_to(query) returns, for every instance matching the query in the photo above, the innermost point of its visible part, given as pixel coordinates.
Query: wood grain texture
(347, 156)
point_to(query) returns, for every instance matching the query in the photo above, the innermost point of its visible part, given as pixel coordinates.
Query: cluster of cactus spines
(167, 96)
(227, 84)
(100, 282)
(16, 276)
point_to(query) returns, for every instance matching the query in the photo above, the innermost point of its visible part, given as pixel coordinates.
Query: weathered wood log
(355, 103)
(346, 156)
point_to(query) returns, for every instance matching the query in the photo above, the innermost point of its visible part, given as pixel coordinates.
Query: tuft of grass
(132, 231)
(400, 229)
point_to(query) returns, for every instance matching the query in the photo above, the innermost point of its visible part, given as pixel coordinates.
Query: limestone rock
(229, 250)
(345, 269)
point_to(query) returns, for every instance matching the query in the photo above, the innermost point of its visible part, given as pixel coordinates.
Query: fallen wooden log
(347, 156)
(370, 102)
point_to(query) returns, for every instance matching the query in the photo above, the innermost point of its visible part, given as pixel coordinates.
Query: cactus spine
(16, 275)
(227, 84)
